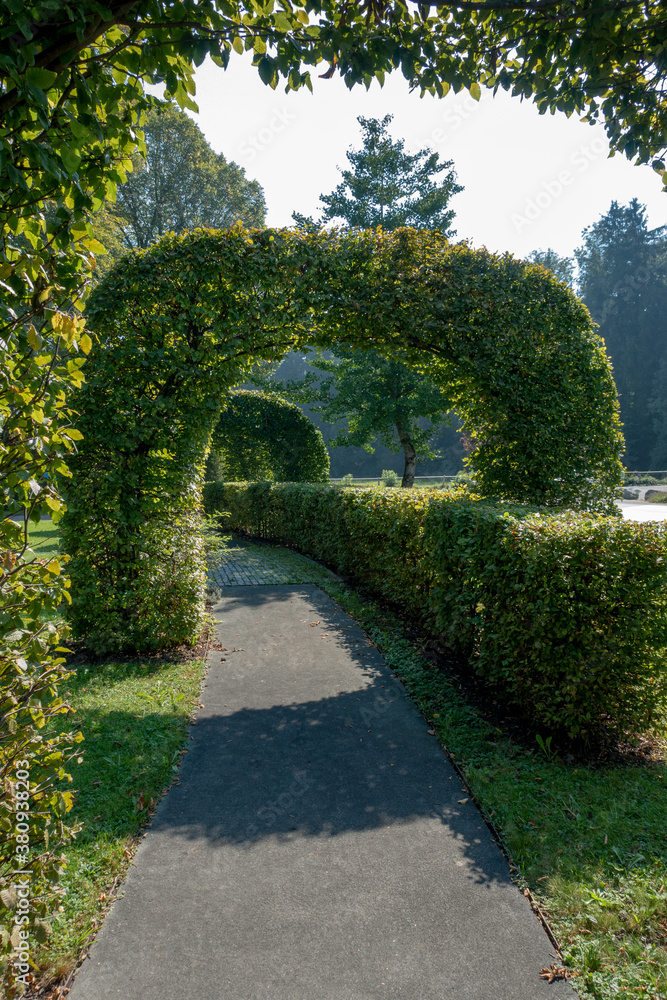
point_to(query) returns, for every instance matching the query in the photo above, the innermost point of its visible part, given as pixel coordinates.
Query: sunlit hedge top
(514, 348)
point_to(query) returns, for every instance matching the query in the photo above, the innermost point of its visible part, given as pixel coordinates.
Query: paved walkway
(256, 564)
(642, 510)
(319, 845)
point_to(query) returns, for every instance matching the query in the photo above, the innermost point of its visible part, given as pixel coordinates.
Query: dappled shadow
(358, 760)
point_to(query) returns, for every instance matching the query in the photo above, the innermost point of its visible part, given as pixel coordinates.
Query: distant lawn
(44, 538)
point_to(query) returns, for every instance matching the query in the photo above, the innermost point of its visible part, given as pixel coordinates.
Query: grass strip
(134, 716)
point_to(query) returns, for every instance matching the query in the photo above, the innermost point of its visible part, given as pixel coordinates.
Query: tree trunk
(410, 456)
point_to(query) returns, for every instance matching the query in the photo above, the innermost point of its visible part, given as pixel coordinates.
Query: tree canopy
(562, 267)
(385, 186)
(623, 281)
(180, 184)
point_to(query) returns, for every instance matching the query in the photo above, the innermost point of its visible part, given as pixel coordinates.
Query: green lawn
(44, 538)
(134, 717)
(589, 842)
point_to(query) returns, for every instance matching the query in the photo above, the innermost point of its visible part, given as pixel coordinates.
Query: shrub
(37, 371)
(390, 478)
(562, 616)
(633, 479)
(261, 436)
(213, 498)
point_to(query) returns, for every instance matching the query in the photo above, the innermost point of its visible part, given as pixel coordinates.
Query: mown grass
(134, 717)
(44, 539)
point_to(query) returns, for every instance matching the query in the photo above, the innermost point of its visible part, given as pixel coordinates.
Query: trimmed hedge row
(562, 615)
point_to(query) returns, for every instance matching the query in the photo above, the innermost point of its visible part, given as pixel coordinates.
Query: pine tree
(385, 186)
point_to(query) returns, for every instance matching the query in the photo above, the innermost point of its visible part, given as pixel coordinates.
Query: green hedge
(562, 615)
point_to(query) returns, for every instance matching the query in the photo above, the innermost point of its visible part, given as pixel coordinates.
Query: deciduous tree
(562, 267)
(180, 184)
(376, 397)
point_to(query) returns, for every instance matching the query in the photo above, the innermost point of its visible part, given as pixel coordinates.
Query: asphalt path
(319, 845)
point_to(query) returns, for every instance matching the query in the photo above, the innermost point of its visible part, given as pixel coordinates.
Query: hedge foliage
(261, 436)
(562, 615)
(181, 324)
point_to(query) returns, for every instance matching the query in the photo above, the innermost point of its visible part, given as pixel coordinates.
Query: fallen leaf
(462, 802)
(554, 972)
(431, 732)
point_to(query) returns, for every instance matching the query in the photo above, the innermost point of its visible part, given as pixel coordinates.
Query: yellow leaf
(34, 339)
(53, 566)
(63, 325)
(85, 343)
(95, 246)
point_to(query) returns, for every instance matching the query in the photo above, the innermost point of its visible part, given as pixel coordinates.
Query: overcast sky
(531, 181)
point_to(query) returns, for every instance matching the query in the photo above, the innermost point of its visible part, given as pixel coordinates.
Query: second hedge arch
(261, 436)
(185, 320)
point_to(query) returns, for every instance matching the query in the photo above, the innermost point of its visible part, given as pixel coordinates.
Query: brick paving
(247, 564)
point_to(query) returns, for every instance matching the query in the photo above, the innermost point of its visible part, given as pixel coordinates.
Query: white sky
(531, 181)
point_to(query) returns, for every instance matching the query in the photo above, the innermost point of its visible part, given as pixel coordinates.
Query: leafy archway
(184, 321)
(261, 436)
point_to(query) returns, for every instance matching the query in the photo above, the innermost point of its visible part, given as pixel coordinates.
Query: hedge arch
(262, 436)
(183, 321)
